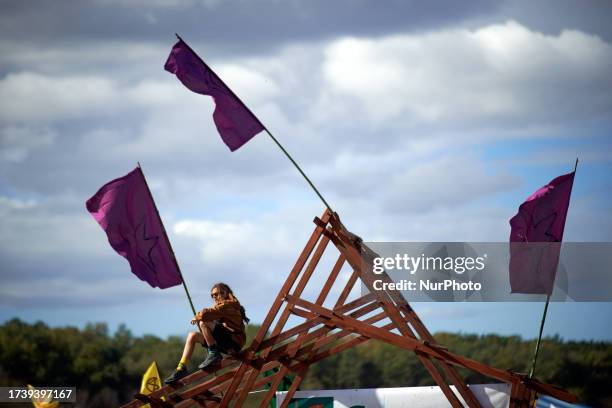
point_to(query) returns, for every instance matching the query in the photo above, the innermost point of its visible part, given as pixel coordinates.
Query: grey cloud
(159, 122)
(16, 142)
(367, 169)
(227, 26)
(443, 183)
(553, 16)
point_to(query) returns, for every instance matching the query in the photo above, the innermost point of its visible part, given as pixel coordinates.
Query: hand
(197, 317)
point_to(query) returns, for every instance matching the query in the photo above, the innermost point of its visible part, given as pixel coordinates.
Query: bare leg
(207, 328)
(196, 337)
(192, 339)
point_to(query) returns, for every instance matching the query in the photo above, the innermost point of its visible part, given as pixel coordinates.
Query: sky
(418, 121)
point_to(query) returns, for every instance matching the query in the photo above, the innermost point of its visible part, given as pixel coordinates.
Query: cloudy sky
(419, 121)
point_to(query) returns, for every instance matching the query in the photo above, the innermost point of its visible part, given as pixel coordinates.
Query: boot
(213, 359)
(177, 375)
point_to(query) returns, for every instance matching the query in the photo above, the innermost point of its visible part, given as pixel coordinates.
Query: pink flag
(235, 122)
(125, 210)
(540, 219)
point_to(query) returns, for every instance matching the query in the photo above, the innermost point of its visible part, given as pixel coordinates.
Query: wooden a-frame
(382, 315)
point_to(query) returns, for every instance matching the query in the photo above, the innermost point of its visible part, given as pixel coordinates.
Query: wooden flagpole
(537, 349)
(169, 246)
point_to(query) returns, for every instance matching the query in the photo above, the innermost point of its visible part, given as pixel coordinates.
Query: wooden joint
(154, 402)
(176, 398)
(319, 222)
(434, 345)
(256, 363)
(328, 233)
(285, 361)
(205, 397)
(328, 323)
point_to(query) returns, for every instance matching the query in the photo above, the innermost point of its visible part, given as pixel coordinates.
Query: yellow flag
(150, 381)
(43, 402)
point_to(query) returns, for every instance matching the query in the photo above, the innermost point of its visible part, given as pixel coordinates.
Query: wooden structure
(326, 330)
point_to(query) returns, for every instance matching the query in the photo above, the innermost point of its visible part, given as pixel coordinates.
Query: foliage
(107, 368)
(584, 368)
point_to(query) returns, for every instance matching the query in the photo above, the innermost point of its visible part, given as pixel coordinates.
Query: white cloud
(503, 72)
(8, 204)
(153, 93)
(39, 97)
(222, 241)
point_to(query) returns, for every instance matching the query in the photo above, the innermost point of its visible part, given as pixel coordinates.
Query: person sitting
(222, 331)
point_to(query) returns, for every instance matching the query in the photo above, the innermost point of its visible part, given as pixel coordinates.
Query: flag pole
(264, 128)
(298, 168)
(537, 349)
(169, 244)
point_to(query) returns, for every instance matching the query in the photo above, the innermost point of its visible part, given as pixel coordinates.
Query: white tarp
(489, 396)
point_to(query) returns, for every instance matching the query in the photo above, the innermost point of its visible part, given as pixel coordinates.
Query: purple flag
(125, 210)
(235, 122)
(540, 219)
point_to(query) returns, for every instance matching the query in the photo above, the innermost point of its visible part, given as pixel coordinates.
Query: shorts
(223, 337)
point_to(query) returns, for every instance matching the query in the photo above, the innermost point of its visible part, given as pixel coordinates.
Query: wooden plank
(347, 289)
(169, 390)
(398, 300)
(280, 351)
(423, 333)
(240, 397)
(331, 280)
(297, 268)
(515, 395)
(274, 340)
(153, 402)
(405, 342)
(548, 389)
(355, 303)
(356, 260)
(221, 388)
(295, 347)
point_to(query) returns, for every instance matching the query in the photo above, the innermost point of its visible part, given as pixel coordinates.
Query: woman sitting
(222, 331)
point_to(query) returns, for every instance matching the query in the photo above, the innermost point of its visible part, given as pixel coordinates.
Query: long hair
(224, 288)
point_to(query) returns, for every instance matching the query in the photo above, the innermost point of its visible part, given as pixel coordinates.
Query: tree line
(107, 368)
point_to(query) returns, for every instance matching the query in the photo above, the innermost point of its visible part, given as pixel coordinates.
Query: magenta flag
(125, 210)
(235, 122)
(540, 219)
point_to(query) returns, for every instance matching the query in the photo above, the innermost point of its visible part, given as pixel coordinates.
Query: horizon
(113, 331)
(416, 125)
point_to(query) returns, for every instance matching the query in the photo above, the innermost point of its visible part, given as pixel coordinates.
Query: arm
(212, 313)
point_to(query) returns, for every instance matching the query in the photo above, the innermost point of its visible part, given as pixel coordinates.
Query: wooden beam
(240, 397)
